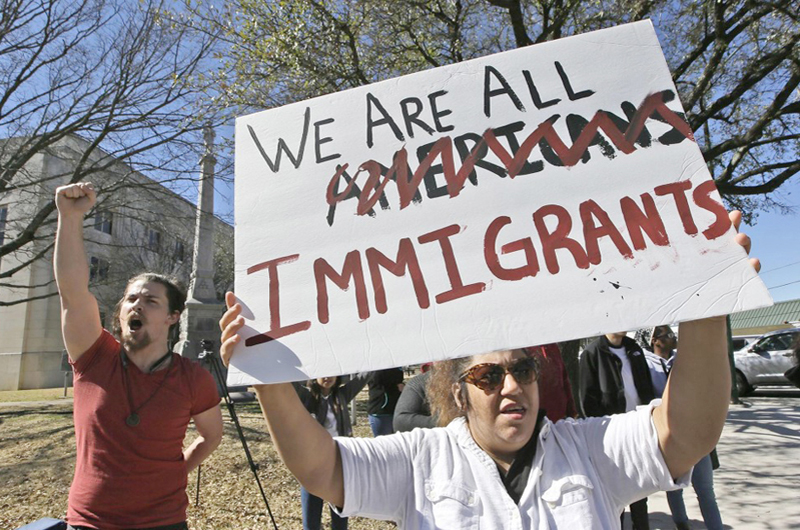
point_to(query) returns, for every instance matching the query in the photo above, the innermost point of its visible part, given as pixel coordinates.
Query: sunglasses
(669, 335)
(490, 376)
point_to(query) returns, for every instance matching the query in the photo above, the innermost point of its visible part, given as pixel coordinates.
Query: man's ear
(174, 317)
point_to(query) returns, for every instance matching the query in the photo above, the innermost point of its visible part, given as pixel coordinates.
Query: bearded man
(133, 397)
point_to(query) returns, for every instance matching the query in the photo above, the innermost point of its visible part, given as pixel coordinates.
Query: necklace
(133, 418)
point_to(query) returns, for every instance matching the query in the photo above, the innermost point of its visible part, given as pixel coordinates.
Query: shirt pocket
(570, 502)
(453, 506)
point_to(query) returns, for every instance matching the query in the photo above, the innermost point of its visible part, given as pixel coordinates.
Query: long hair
(176, 296)
(316, 393)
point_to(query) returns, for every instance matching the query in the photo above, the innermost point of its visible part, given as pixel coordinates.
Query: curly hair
(444, 382)
(443, 377)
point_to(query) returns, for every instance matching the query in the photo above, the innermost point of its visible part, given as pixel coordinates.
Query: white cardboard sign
(537, 195)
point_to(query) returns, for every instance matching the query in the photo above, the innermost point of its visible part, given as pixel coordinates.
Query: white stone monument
(199, 320)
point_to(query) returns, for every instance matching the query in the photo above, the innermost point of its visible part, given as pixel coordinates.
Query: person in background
(328, 401)
(413, 409)
(555, 390)
(615, 378)
(384, 391)
(663, 342)
(133, 397)
(793, 373)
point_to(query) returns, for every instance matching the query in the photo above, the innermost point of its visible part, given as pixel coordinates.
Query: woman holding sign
(498, 463)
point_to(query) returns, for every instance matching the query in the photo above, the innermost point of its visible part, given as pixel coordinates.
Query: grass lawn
(41, 394)
(37, 458)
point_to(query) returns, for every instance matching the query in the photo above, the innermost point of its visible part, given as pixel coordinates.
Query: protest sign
(537, 195)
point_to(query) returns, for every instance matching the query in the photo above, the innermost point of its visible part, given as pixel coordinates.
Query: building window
(103, 221)
(98, 269)
(153, 240)
(3, 215)
(180, 251)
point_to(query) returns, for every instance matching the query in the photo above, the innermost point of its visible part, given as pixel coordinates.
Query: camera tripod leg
(197, 492)
(216, 370)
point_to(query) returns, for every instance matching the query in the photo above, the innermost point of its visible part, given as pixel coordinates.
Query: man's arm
(80, 316)
(408, 414)
(690, 418)
(354, 386)
(209, 430)
(304, 445)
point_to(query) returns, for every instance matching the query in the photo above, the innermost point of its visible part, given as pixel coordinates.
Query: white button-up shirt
(585, 472)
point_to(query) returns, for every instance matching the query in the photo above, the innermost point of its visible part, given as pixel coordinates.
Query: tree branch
(517, 20)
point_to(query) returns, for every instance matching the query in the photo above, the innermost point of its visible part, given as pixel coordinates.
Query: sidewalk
(758, 482)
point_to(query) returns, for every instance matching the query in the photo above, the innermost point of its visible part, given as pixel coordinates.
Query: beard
(136, 343)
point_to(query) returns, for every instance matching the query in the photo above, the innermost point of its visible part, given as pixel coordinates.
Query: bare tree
(93, 90)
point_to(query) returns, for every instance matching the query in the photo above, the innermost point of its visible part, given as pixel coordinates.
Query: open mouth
(134, 324)
(513, 409)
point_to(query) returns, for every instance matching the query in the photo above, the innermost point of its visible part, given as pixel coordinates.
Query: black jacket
(384, 391)
(343, 396)
(601, 389)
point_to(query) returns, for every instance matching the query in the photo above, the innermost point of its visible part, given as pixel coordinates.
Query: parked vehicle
(765, 361)
(740, 341)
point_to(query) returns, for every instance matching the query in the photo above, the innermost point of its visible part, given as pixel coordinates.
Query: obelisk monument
(199, 320)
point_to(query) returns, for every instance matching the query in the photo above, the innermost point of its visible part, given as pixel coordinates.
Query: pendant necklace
(133, 418)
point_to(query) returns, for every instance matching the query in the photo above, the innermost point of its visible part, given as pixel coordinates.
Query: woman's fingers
(742, 238)
(230, 324)
(230, 338)
(744, 241)
(230, 299)
(736, 218)
(234, 310)
(227, 347)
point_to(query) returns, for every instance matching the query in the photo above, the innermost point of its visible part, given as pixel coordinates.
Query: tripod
(215, 364)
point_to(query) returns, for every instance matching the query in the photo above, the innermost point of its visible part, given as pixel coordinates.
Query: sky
(776, 242)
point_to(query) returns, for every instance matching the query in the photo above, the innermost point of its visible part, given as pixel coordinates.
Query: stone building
(138, 224)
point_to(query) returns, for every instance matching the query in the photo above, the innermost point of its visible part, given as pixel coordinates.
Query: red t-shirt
(132, 477)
